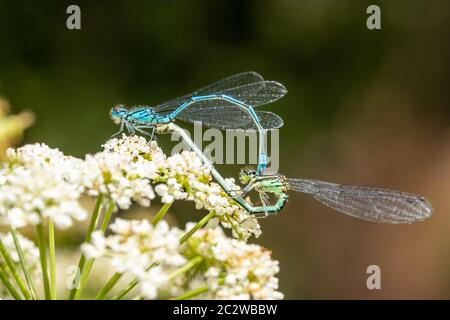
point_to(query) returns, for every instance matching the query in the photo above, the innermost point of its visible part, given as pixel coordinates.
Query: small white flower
(38, 183)
(134, 246)
(237, 270)
(161, 189)
(151, 281)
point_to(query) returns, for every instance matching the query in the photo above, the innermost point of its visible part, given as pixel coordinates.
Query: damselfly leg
(120, 130)
(141, 130)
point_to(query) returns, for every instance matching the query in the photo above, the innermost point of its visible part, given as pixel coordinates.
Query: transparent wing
(237, 80)
(270, 120)
(257, 94)
(220, 117)
(230, 117)
(248, 87)
(373, 204)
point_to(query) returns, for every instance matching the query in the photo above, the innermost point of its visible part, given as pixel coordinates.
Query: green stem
(43, 258)
(199, 225)
(82, 261)
(15, 274)
(130, 286)
(127, 289)
(94, 218)
(83, 276)
(95, 213)
(23, 264)
(107, 216)
(109, 285)
(52, 254)
(188, 266)
(89, 263)
(161, 213)
(76, 283)
(192, 293)
(196, 292)
(8, 285)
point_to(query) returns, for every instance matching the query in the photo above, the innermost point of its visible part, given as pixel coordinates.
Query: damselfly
(172, 127)
(372, 204)
(226, 104)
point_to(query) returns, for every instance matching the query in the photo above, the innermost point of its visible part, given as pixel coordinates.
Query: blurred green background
(364, 107)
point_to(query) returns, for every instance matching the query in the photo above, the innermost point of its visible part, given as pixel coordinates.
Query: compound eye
(119, 107)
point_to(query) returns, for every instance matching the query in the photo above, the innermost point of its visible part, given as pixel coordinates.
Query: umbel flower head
(39, 182)
(178, 177)
(234, 268)
(136, 245)
(229, 268)
(39, 185)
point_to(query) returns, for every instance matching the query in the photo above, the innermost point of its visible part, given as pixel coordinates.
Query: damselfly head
(246, 175)
(117, 113)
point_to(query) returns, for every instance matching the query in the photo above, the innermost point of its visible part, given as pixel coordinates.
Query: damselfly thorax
(144, 115)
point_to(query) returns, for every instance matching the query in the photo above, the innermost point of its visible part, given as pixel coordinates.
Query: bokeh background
(364, 107)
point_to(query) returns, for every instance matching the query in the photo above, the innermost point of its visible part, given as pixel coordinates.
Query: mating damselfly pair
(229, 104)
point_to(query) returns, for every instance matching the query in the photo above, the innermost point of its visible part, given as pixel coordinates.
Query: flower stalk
(15, 274)
(188, 266)
(43, 258)
(198, 226)
(90, 262)
(4, 278)
(52, 256)
(196, 292)
(23, 264)
(127, 289)
(192, 293)
(161, 213)
(74, 293)
(133, 283)
(109, 285)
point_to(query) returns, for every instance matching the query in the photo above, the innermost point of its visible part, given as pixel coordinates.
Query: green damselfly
(372, 204)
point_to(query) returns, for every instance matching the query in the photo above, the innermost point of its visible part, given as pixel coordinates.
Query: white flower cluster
(141, 249)
(179, 177)
(188, 178)
(122, 171)
(236, 269)
(231, 268)
(31, 254)
(39, 182)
